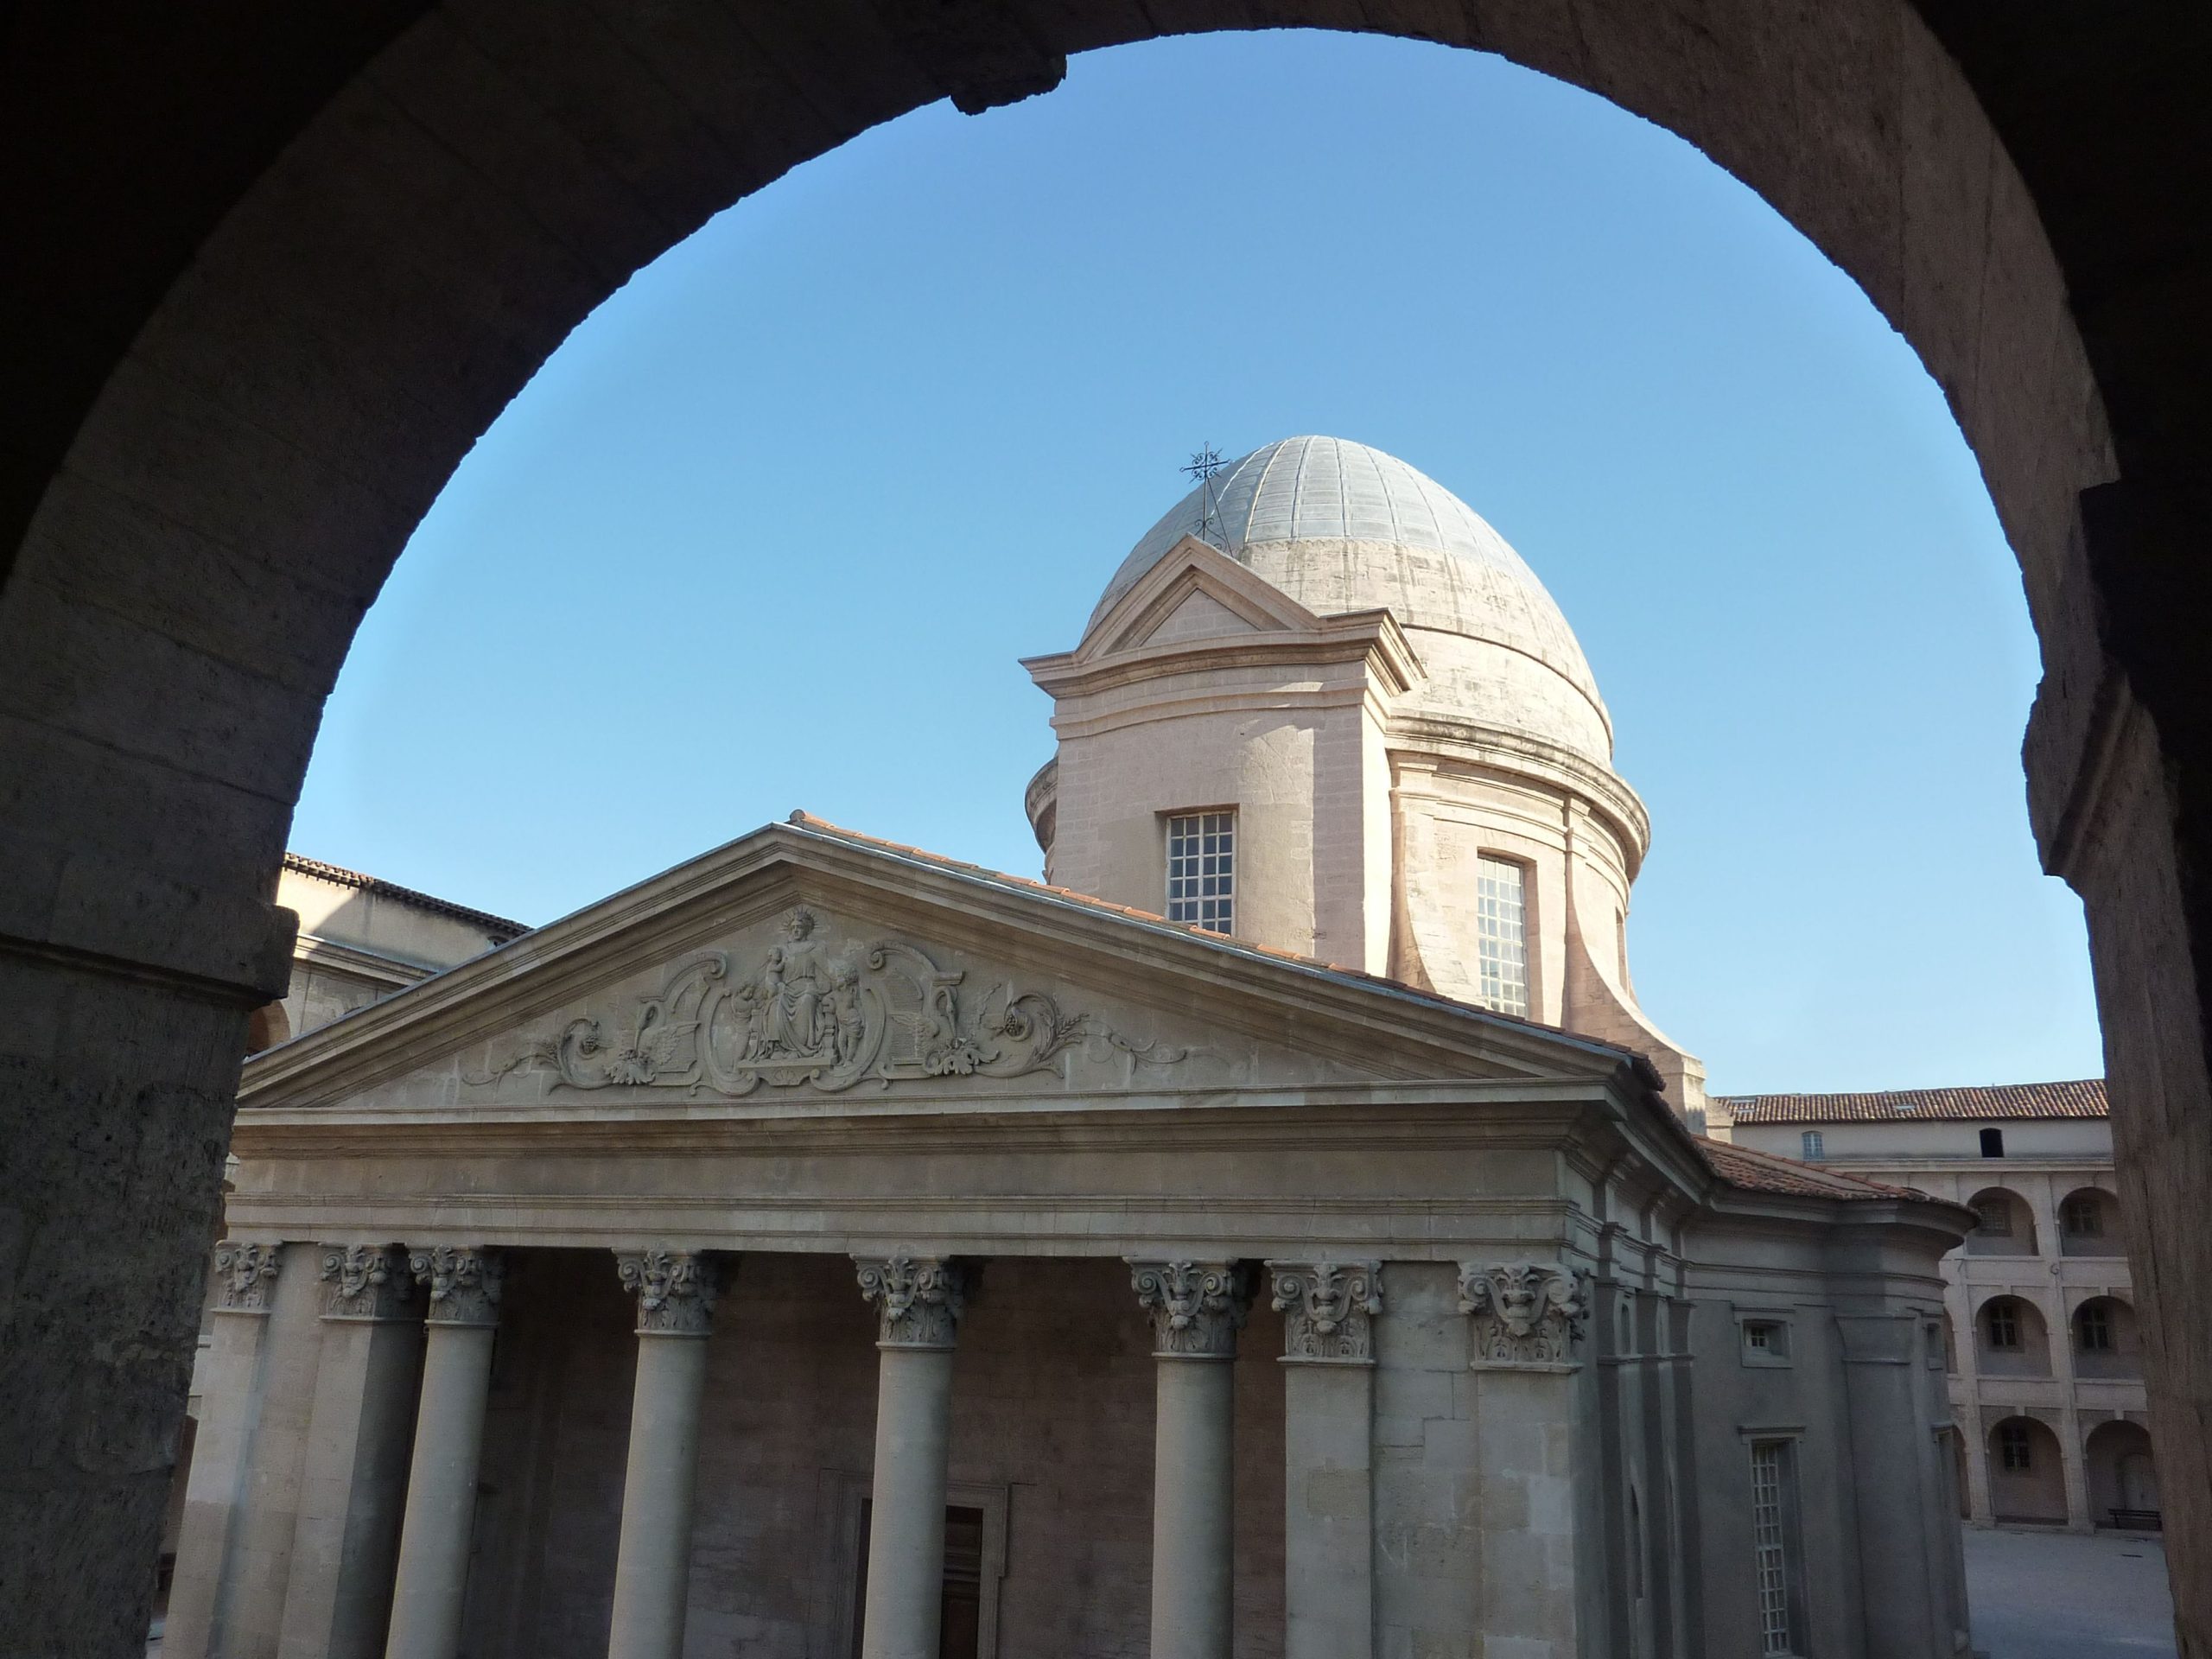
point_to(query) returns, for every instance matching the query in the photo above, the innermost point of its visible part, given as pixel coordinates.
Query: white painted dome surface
(1339, 526)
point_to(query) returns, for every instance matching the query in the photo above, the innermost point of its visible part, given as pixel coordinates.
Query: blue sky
(772, 528)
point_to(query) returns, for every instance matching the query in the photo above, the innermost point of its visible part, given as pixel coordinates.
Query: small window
(2015, 1449)
(1993, 1216)
(1201, 870)
(1774, 1553)
(1501, 915)
(2095, 1323)
(1815, 1146)
(1992, 1143)
(2082, 1216)
(2003, 1322)
(1766, 1341)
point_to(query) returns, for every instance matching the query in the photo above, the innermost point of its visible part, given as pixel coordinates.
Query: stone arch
(2011, 1337)
(266, 1027)
(2123, 1475)
(2106, 1339)
(2027, 1477)
(248, 397)
(2088, 1222)
(2004, 1223)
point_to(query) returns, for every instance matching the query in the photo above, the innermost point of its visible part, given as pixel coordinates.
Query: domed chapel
(1279, 1232)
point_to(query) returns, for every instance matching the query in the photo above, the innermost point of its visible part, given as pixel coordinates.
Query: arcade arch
(2088, 1222)
(243, 413)
(2011, 1339)
(2123, 1476)
(2106, 1343)
(2004, 1224)
(2027, 1477)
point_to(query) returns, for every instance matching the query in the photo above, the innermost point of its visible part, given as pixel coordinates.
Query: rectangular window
(1992, 1143)
(1813, 1146)
(1993, 1216)
(1773, 1556)
(1201, 870)
(2014, 1455)
(2095, 1323)
(2083, 1217)
(1501, 912)
(2004, 1326)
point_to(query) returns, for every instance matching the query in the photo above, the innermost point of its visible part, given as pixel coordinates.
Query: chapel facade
(1278, 1233)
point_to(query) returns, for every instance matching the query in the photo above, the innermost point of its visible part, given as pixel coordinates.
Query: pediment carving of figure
(826, 1014)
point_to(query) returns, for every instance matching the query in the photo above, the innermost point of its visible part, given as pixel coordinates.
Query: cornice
(1443, 742)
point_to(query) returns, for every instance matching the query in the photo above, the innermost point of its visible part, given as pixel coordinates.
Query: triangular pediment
(1196, 592)
(806, 968)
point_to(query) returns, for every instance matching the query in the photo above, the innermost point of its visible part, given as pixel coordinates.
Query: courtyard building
(2043, 1350)
(1279, 1232)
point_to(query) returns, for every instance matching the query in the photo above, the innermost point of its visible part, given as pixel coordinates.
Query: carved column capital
(1197, 1307)
(464, 1282)
(367, 1281)
(245, 1274)
(919, 1299)
(1525, 1314)
(676, 1291)
(1328, 1310)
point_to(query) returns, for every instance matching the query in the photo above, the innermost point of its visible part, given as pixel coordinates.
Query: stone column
(346, 1539)
(1526, 1320)
(1197, 1308)
(918, 1302)
(1328, 1342)
(434, 1543)
(675, 1292)
(246, 1282)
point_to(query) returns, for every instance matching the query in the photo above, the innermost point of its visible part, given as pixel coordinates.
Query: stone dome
(1339, 526)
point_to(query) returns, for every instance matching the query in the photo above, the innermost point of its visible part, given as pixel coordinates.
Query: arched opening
(2011, 1339)
(2027, 1481)
(2088, 1222)
(268, 1025)
(423, 251)
(2106, 1341)
(2004, 1225)
(2123, 1477)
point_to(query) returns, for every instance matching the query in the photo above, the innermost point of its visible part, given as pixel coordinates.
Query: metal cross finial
(1202, 465)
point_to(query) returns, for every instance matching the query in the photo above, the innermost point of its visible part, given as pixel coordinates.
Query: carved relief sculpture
(464, 1283)
(827, 1015)
(1524, 1313)
(245, 1274)
(676, 1291)
(1197, 1307)
(366, 1281)
(919, 1300)
(1328, 1310)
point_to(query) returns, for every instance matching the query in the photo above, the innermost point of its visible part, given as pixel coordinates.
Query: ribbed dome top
(1339, 526)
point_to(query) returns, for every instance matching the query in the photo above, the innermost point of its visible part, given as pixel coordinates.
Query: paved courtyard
(2041, 1595)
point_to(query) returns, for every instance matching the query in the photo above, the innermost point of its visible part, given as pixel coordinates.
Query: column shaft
(434, 1540)
(1193, 1506)
(906, 1540)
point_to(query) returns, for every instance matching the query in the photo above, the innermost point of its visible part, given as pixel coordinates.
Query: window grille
(1201, 870)
(2084, 1218)
(1814, 1146)
(1770, 1548)
(1501, 912)
(1993, 1216)
(2094, 1323)
(2015, 1449)
(2004, 1322)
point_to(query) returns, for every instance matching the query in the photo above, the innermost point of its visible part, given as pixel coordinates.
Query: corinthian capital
(1524, 1313)
(464, 1283)
(676, 1291)
(1328, 1310)
(245, 1275)
(919, 1299)
(366, 1281)
(1197, 1307)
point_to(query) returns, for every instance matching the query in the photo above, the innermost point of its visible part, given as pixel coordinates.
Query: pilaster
(1329, 1309)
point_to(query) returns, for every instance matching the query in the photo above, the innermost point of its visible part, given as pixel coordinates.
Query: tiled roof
(2082, 1098)
(1765, 1172)
(501, 929)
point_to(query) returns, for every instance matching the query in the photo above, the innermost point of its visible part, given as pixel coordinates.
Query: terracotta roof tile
(500, 926)
(1767, 1172)
(2084, 1097)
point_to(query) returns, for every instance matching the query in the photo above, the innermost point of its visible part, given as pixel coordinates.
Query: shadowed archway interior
(285, 267)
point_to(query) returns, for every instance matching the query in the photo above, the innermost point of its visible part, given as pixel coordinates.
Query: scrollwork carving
(1197, 1307)
(366, 1281)
(1328, 1310)
(827, 1015)
(464, 1283)
(919, 1300)
(676, 1291)
(1524, 1313)
(245, 1275)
